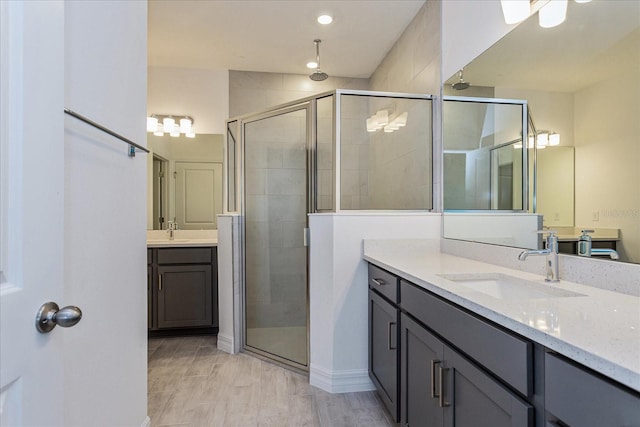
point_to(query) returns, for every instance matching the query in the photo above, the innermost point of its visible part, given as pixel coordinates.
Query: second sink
(503, 286)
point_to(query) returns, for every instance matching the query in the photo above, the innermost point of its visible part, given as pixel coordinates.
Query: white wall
(338, 291)
(607, 158)
(201, 94)
(104, 228)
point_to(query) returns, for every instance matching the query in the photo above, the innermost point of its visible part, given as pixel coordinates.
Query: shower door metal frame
(309, 106)
(525, 154)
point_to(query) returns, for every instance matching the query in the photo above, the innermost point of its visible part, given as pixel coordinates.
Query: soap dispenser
(584, 243)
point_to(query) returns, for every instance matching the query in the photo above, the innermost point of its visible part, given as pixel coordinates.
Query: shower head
(317, 75)
(460, 85)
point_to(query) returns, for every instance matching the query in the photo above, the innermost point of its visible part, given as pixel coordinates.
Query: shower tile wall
(276, 211)
(385, 170)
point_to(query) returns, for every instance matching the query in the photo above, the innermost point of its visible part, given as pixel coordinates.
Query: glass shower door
(275, 217)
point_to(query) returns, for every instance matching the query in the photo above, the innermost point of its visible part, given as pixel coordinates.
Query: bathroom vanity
(451, 342)
(182, 285)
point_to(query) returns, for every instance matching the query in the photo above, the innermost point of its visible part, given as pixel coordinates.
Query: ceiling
(276, 36)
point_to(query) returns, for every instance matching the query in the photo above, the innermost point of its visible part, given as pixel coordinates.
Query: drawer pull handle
(441, 401)
(391, 325)
(160, 282)
(379, 282)
(434, 392)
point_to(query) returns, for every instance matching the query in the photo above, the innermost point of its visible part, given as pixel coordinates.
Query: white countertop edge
(191, 243)
(619, 373)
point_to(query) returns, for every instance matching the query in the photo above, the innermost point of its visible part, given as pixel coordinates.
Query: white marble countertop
(181, 238)
(600, 330)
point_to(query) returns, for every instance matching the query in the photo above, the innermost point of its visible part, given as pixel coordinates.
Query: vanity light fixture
(515, 11)
(172, 124)
(544, 139)
(553, 13)
(380, 120)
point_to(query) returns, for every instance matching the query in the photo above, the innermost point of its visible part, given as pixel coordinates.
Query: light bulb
(515, 11)
(325, 19)
(175, 132)
(543, 139)
(185, 125)
(152, 124)
(554, 139)
(159, 130)
(312, 64)
(168, 123)
(552, 13)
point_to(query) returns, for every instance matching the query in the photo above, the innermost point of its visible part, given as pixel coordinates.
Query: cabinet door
(184, 296)
(474, 399)
(422, 356)
(383, 350)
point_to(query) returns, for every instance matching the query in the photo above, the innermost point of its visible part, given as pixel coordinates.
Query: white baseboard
(347, 381)
(146, 422)
(225, 343)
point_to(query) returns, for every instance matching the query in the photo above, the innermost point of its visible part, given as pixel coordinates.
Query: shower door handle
(306, 237)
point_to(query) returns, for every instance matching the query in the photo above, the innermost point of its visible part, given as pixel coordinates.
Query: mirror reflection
(581, 81)
(185, 182)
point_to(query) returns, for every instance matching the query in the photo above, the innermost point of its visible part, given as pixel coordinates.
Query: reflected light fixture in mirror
(515, 11)
(172, 124)
(553, 13)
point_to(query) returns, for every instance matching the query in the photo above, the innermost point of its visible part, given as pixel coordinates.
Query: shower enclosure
(339, 150)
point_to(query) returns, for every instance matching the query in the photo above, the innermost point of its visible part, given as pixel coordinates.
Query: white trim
(347, 381)
(146, 422)
(226, 343)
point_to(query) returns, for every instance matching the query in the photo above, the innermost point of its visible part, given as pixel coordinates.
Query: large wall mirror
(581, 81)
(185, 182)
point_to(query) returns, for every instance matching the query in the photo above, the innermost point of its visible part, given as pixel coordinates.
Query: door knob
(49, 315)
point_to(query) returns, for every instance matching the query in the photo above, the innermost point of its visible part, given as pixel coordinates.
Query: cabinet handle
(442, 372)
(391, 324)
(379, 282)
(159, 282)
(434, 363)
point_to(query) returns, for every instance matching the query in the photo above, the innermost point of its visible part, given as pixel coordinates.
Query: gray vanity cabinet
(384, 337)
(183, 289)
(574, 396)
(440, 387)
(184, 296)
(422, 356)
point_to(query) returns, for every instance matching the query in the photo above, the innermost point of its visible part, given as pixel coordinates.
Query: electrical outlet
(595, 216)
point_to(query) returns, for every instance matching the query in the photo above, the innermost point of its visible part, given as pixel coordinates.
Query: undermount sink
(503, 286)
(169, 240)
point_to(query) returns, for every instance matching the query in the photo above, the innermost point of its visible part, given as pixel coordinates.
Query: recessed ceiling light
(325, 19)
(312, 64)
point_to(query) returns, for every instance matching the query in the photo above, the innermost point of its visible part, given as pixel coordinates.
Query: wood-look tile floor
(192, 383)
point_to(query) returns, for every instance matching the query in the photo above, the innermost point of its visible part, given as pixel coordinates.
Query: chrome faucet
(585, 247)
(171, 227)
(551, 252)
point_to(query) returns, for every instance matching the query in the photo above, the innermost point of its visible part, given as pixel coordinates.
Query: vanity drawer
(506, 355)
(383, 282)
(579, 398)
(184, 255)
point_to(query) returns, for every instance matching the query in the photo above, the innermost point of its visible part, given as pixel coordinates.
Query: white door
(32, 222)
(73, 213)
(198, 195)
